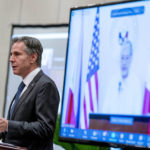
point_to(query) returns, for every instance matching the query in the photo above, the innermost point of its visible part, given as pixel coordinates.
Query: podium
(6, 146)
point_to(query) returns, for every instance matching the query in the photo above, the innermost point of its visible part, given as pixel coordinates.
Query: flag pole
(80, 76)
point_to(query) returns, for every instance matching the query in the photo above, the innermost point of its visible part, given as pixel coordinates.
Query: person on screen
(33, 111)
(124, 93)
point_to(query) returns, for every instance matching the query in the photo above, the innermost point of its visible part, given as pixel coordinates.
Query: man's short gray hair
(32, 45)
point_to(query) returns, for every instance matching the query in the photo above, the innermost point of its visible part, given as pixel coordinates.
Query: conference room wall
(30, 12)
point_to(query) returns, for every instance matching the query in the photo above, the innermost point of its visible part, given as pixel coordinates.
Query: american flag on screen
(90, 101)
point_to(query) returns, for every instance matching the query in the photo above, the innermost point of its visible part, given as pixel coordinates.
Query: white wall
(30, 12)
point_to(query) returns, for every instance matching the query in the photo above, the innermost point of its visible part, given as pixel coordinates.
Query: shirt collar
(30, 76)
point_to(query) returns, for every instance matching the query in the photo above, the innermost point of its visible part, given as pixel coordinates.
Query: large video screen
(106, 95)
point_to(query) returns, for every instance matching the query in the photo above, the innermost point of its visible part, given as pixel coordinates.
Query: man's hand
(3, 125)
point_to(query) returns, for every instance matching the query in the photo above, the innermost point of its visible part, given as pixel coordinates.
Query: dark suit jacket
(33, 121)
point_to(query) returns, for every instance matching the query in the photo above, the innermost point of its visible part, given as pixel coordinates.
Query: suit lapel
(26, 93)
(8, 116)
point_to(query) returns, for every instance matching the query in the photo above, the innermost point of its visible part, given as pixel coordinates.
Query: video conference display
(106, 97)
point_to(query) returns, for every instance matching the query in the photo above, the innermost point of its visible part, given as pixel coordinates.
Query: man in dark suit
(32, 117)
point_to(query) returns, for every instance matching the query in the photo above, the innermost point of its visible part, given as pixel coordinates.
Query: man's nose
(11, 59)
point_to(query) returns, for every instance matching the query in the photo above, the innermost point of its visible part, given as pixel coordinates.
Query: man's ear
(33, 58)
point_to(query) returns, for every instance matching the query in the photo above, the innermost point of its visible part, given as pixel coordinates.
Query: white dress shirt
(29, 78)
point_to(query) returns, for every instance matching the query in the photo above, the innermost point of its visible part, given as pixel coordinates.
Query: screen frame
(84, 141)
